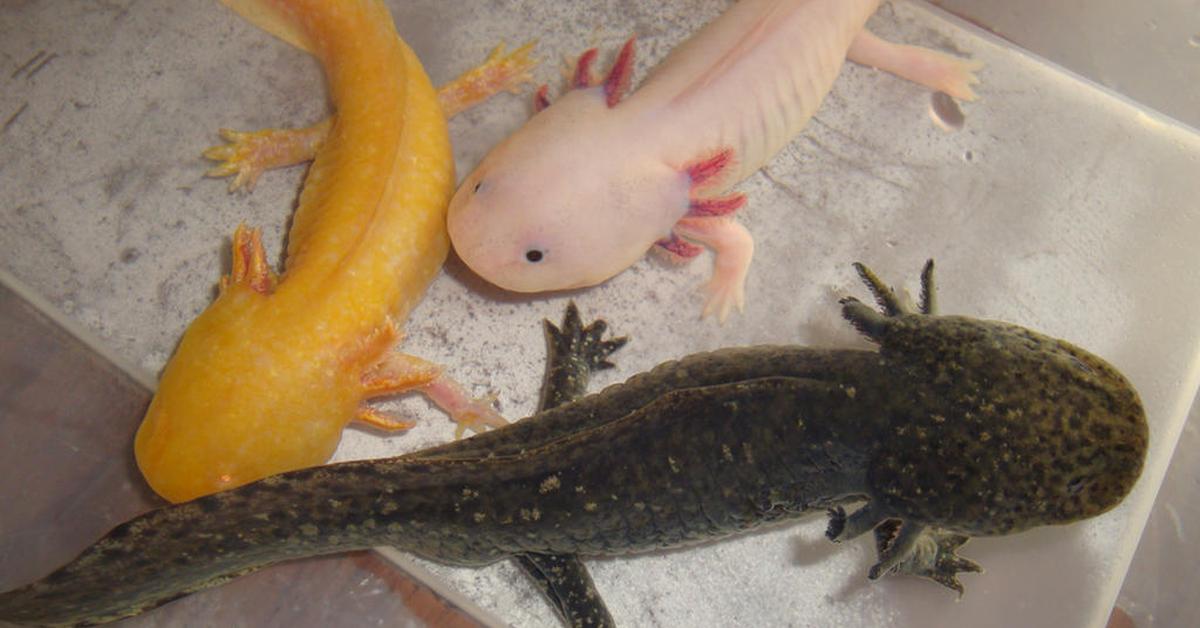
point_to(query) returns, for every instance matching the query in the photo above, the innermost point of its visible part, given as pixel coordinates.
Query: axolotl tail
(171, 552)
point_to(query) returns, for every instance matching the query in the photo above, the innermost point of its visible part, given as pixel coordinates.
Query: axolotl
(956, 427)
(591, 182)
(268, 376)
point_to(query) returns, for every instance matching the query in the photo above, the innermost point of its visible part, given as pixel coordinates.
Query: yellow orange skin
(264, 381)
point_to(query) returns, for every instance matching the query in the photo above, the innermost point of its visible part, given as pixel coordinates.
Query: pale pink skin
(592, 187)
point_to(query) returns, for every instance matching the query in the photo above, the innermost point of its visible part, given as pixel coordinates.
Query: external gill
(616, 82)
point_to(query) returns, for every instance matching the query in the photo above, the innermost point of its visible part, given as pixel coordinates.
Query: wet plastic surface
(1057, 206)
(1148, 50)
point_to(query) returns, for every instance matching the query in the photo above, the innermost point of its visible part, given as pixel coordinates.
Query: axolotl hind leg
(501, 71)
(573, 352)
(936, 70)
(247, 154)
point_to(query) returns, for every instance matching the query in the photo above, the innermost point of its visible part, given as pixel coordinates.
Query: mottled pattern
(573, 353)
(956, 427)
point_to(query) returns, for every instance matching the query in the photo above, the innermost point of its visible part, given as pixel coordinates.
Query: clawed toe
(722, 298)
(908, 549)
(576, 341)
(904, 547)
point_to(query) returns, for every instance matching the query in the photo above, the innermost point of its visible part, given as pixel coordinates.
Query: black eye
(533, 255)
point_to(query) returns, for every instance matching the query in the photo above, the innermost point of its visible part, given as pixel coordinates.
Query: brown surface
(67, 418)
(1120, 619)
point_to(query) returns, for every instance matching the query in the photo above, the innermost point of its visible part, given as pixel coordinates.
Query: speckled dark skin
(955, 428)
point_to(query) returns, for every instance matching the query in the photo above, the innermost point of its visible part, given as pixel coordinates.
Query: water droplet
(946, 112)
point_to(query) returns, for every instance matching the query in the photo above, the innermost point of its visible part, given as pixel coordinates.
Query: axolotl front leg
(708, 221)
(388, 372)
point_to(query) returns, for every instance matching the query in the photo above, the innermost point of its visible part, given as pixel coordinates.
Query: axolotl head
(563, 203)
(1031, 430)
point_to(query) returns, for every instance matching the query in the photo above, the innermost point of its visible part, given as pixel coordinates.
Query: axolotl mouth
(528, 267)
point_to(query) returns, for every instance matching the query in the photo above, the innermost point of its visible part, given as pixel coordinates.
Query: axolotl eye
(534, 255)
(478, 184)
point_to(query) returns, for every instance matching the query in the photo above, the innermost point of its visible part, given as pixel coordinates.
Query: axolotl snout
(593, 181)
(956, 427)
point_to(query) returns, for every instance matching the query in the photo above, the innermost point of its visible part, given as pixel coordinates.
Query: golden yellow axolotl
(268, 376)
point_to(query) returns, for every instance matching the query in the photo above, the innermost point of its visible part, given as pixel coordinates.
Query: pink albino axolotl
(591, 183)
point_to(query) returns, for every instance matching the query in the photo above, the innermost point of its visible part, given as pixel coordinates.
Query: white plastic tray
(1059, 206)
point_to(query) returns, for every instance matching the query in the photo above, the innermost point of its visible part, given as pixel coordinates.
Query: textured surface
(1057, 207)
(1148, 51)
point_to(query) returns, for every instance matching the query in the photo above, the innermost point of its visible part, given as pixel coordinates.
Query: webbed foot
(246, 155)
(872, 323)
(470, 413)
(931, 68)
(904, 548)
(501, 71)
(733, 247)
(574, 352)
(397, 373)
(909, 549)
(575, 341)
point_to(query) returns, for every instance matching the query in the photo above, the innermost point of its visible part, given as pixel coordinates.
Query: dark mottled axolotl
(955, 428)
